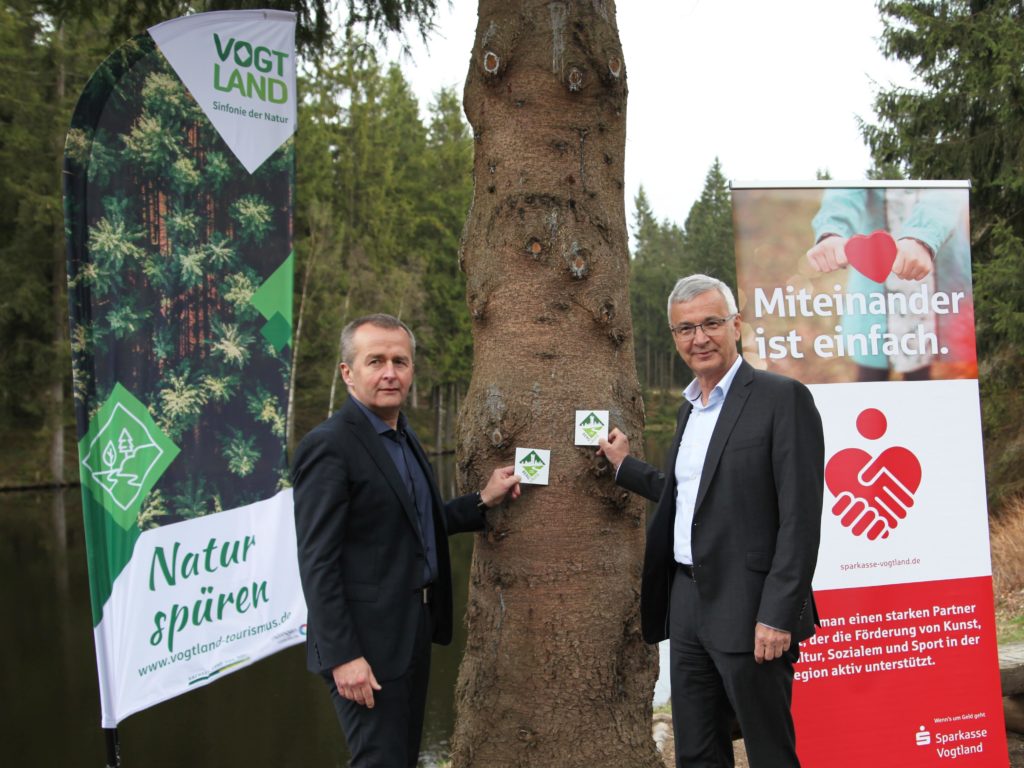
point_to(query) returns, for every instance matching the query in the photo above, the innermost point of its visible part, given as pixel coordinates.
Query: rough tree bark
(555, 672)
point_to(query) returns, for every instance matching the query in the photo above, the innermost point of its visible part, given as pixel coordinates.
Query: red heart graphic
(872, 494)
(872, 255)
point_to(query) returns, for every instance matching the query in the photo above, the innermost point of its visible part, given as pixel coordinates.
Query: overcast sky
(772, 89)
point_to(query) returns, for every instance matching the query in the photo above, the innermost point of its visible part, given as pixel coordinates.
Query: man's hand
(913, 259)
(829, 254)
(503, 482)
(355, 681)
(615, 448)
(769, 643)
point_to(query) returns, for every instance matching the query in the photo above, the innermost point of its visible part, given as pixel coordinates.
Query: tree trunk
(337, 362)
(58, 299)
(648, 381)
(314, 248)
(555, 672)
(450, 412)
(438, 418)
(456, 408)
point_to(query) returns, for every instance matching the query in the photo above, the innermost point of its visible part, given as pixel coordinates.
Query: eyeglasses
(711, 327)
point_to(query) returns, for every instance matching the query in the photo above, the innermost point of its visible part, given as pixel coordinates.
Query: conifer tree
(444, 202)
(552, 615)
(659, 259)
(709, 234)
(47, 55)
(963, 121)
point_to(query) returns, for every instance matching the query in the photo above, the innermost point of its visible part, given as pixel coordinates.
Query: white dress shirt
(693, 449)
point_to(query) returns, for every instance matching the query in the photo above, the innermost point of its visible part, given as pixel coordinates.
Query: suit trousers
(710, 686)
(388, 736)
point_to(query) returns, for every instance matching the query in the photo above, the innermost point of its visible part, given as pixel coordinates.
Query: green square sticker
(123, 455)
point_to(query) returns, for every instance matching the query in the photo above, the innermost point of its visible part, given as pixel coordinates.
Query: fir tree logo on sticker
(531, 464)
(591, 425)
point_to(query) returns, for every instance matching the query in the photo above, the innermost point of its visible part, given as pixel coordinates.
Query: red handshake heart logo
(872, 255)
(872, 493)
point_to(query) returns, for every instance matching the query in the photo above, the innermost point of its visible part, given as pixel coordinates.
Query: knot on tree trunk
(578, 258)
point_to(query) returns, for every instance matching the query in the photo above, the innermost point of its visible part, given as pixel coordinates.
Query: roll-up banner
(863, 292)
(179, 182)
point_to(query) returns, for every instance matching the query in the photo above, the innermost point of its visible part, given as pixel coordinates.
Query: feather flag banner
(179, 182)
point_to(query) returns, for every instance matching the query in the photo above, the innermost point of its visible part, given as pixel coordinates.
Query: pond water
(272, 713)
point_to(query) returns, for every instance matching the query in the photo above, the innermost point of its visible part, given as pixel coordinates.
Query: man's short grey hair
(689, 288)
(379, 320)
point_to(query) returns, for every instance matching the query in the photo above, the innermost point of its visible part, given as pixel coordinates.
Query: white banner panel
(932, 429)
(198, 601)
(240, 68)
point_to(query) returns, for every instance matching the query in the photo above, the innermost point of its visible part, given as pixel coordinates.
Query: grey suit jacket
(757, 519)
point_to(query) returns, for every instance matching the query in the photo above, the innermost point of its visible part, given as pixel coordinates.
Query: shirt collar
(380, 426)
(692, 391)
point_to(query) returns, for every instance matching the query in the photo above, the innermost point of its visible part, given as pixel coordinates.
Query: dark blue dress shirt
(414, 475)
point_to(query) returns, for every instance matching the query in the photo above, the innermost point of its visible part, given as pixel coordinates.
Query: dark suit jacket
(757, 518)
(360, 555)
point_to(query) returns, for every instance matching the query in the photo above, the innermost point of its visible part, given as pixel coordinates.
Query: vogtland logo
(531, 464)
(591, 426)
(241, 56)
(123, 454)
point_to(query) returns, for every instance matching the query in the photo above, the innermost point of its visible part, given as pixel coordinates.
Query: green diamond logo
(591, 425)
(123, 455)
(531, 464)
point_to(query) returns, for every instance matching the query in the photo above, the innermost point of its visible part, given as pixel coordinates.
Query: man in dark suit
(372, 546)
(733, 542)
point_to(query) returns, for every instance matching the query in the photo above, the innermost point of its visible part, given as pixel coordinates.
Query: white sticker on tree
(591, 426)
(533, 465)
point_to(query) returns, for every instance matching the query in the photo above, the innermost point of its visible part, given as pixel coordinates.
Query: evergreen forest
(383, 188)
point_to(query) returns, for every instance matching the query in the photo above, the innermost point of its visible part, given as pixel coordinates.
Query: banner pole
(113, 748)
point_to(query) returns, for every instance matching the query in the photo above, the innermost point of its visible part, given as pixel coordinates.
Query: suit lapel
(370, 441)
(731, 409)
(681, 419)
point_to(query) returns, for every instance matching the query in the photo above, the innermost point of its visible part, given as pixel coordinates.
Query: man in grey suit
(372, 543)
(732, 545)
